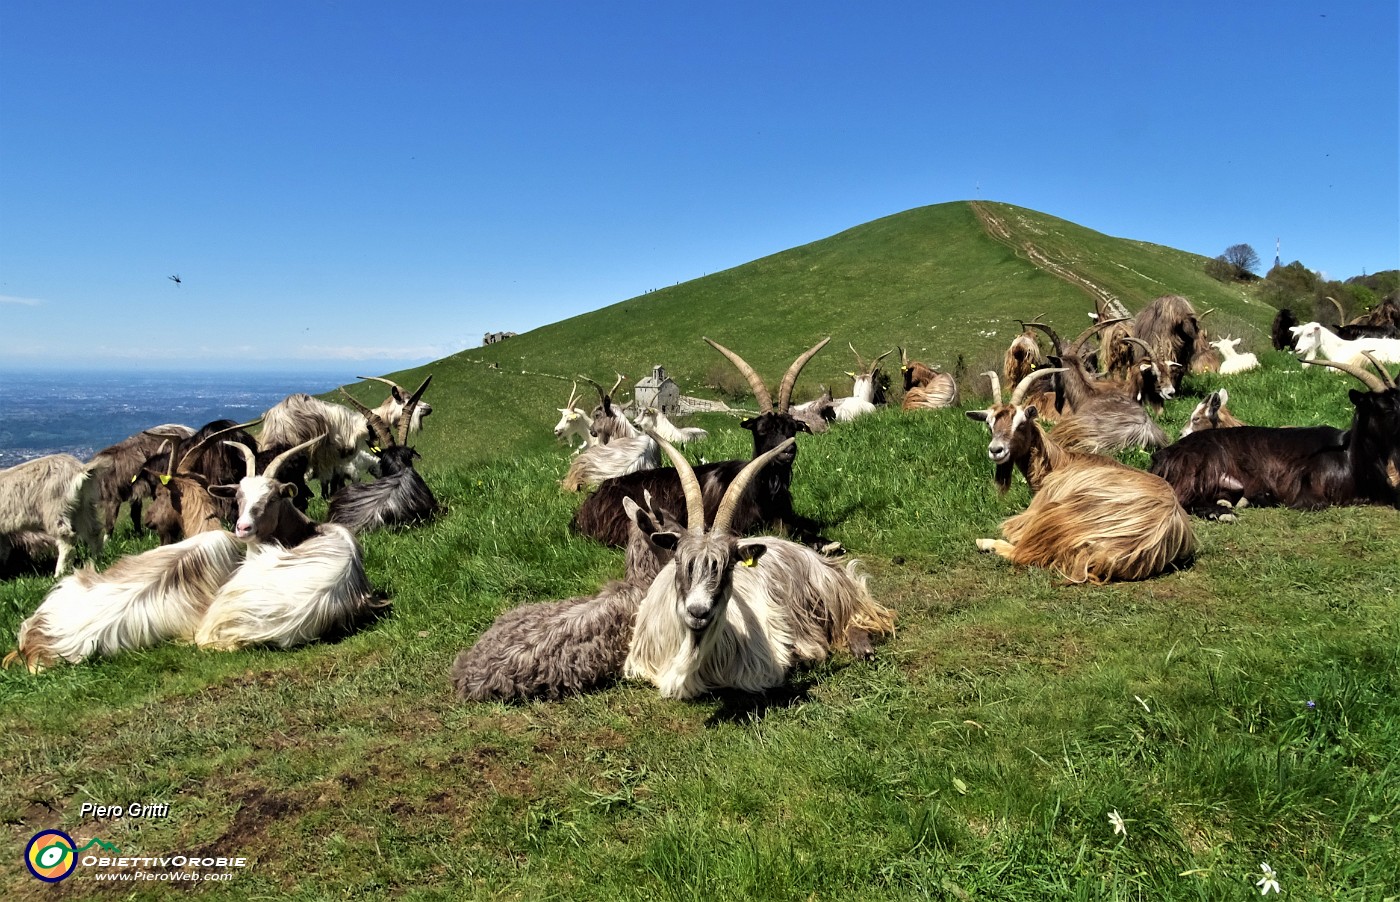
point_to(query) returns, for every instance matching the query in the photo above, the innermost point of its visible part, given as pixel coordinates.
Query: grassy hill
(1244, 710)
(948, 282)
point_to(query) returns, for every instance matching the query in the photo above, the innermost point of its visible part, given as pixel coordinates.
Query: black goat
(399, 497)
(769, 499)
(1282, 330)
(1306, 468)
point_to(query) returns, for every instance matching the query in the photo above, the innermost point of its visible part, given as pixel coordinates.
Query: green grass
(978, 757)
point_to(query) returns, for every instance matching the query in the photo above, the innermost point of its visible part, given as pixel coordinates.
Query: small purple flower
(1311, 704)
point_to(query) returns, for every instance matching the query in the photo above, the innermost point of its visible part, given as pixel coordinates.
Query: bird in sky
(175, 278)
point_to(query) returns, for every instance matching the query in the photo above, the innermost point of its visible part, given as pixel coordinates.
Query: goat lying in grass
(54, 497)
(1091, 518)
(399, 497)
(138, 602)
(1211, 414)
(299, 581)
(553, 649)
(739, 614)
(574, 423)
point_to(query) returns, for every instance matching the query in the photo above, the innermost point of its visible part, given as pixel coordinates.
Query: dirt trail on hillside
(997, 229)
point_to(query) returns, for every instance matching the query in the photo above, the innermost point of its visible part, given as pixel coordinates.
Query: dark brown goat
(118, 483)
(1171, 328)
(1306, 467)
(769, 499)
(179, 480)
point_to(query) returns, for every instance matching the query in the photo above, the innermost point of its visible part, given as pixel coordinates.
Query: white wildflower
(1143, 703)
(1268, 882)
(1116, 820)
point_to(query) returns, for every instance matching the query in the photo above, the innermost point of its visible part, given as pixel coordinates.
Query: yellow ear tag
(376, 449)
(750, 562)
(164, 479)
(134, 478)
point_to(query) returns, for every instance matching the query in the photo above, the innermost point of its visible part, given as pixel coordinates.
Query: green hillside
(945, 281)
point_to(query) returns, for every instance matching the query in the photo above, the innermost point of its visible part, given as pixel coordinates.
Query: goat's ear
(665, 540)
(287, 490)
(801, 426)
(749, 554)
(1031, 413)
(224, 491)
(750, 424)
(984, 416)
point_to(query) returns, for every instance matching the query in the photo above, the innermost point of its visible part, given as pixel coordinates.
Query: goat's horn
(189, 455)
(860, 361)
(1089, 332)
(1380, 368)
(612, 391)
(694, 497)
(903, 357)
(1144, 345)
(732, 495)
(389, 382)
(382, 435)
(166, 448)
(279, 460)
(1371, 380)
(247, 456)
(760, 391)
(1053, 335)
(406, 417)
(996, 386)
(876, 362)
(790, 377)
(1201, 316)
(1019, 392)
(573, 396)
(1341, 315)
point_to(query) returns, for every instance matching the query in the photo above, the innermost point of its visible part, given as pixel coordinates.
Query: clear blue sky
(380, 183)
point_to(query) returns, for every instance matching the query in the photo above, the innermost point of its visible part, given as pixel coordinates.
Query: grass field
(1239, 712)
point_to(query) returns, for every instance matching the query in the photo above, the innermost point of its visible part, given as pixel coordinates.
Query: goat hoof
(832, 549)
(986, 544)
(1243, 502)
(1225, 504)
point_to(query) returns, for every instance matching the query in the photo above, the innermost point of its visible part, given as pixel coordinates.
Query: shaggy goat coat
(789, 606)
(55, 495)
(285, 597)
(138, 602)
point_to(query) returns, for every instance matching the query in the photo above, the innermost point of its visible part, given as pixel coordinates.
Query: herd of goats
(705, 604)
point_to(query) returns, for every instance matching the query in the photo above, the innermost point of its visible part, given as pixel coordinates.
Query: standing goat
(925, 388)
(731, 614)
(399, 497)
(54, 496)
(1023, 357)
(603, 517)
(138, 602)
(1305, 467)
(1170, 326)
(1091, 518)
(299, 581)
(343, 454)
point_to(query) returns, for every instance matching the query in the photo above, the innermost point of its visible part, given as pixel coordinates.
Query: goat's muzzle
(998, 452)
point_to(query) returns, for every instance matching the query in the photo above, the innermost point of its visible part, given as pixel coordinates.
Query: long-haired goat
(299, 581)
(1149, 379)
(343, 454)
(732, 614)
(925, 388)
(1306, 467)
(1091, 518)
(399, 497)
(619, 457)
(138, 602)
(1171, 328)
(557, 648)
(602, 516)
(1023, 357)
(608, 423)
(1211, 414)
(55, 496)
(817, 414)
(117, 483)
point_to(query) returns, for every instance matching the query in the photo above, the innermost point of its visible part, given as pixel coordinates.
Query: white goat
(726, 613)
(617, 458)
(574, 423)
(138, 602)
(300, 579)
(56, 496)
(1233, 361)
(653, 420)
(1312, 339)
(343, 454)
(863, 388)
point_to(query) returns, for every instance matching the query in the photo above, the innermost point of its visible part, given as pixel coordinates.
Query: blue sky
(380, 183)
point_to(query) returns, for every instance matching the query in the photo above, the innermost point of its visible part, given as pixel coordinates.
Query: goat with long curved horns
(300, 580)
(728, 613)
(603, 517)
(399, 497)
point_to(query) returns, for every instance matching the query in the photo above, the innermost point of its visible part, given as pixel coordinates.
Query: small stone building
(657, 390)
(492, 337)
